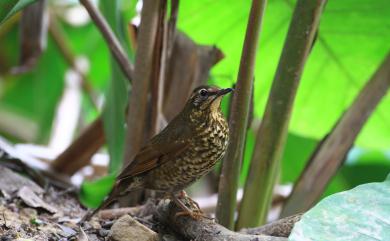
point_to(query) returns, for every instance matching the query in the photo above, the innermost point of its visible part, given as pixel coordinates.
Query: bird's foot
(190, 201)
(195, 205)
(189, 207)
(195, 214)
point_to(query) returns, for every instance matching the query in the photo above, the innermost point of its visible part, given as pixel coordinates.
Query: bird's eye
(203, 92)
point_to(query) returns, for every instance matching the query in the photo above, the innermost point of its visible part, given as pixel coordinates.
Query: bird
(184, 151)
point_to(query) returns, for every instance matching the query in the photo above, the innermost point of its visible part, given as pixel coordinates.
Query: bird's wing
(160, 149)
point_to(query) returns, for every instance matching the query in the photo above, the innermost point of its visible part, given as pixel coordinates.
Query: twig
(112, 41)
(272, 133)
(231, 165)
(331, 152)
(118, 212)
(279, 228)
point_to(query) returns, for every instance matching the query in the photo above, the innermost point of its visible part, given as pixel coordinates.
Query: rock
(33, 200)
(128, 229)
(11, 182)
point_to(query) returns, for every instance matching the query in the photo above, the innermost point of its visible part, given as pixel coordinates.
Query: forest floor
(28, 211)
(33, 208)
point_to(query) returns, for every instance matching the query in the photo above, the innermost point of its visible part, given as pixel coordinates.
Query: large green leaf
(33, 95)
(360, 214)
(352, 41)
(362, 166)
(350, 176)
(10, 7)
(87, 41)
(297, 152)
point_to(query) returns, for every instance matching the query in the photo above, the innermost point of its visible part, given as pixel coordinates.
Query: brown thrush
(187, 149)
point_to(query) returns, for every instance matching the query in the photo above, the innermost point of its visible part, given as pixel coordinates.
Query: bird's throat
(215, 105)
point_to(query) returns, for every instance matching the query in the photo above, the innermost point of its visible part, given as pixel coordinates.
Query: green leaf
(33, 95)
(93, 193)
(296, 153)
(114, 117)
(116, 97)
(352, 41)
(362, 166)
(10, 7)
(362, 213)
(87, 41)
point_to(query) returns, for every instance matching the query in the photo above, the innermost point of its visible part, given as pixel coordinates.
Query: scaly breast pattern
(206, 148)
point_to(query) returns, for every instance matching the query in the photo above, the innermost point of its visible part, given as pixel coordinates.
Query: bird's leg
(183, 195)
(195, 214)
(186, 210)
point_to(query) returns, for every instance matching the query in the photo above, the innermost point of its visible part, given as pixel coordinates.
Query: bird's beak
(224, 91)
(220, 93)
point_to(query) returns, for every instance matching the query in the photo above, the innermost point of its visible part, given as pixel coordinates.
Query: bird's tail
(121, 187)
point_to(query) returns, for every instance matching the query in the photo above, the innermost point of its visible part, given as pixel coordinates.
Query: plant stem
(331, 152)
(113, 43)
(274, 126)
(158, 72)
(231, 165)
(136, 118)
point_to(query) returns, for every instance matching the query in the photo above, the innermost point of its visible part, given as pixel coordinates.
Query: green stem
(231, 165)
(273, 129)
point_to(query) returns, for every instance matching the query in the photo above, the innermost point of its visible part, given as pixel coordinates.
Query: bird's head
(206, 99)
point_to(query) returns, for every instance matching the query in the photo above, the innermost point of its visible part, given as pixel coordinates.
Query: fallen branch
(203, 229)
(279, 228)
(116, 213)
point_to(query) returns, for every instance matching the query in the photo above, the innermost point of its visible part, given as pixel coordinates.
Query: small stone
(103, 232)
(128, 229)
(7, 237)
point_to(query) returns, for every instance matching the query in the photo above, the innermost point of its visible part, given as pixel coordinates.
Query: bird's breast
(206, 147)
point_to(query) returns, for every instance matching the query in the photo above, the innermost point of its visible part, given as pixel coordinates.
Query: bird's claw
(190, 201)
(195, 214)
